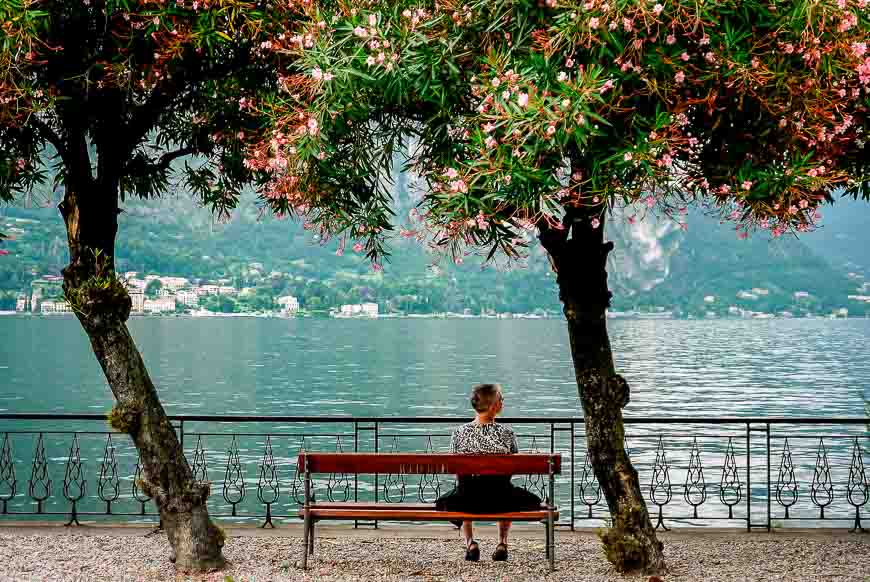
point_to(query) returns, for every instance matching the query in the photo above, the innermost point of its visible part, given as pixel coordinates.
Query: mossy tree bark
(578, 255)
(90, 208)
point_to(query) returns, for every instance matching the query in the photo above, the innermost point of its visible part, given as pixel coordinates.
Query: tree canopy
(520, 111)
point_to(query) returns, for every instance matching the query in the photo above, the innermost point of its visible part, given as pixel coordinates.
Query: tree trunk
(102, 305)
(581, 267)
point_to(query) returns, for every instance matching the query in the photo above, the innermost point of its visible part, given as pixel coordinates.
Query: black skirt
(487, 494)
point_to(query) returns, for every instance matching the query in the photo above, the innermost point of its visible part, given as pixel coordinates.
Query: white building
(51, 306)
(164, 292)
(22, 303)
(760, 291)
(746, 295)
(208, 290)
(288, 304)
(801, 294)
(226, 290)
(138, 299)
(160, 305)
(360, 309)
(187, 297)
(137, 284)
(174, 282)
(709, 299)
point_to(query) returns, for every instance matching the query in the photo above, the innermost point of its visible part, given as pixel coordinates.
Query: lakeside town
(161, 295)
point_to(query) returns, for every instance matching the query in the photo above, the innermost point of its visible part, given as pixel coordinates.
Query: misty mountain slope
(654, 263)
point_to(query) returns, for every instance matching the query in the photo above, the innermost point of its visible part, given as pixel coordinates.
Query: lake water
(413, 368)
(426, 367)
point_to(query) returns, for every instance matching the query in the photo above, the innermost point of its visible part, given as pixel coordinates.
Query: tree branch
(50, 136)
(169, 157)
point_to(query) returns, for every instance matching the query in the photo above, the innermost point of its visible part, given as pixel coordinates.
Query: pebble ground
(132, 556)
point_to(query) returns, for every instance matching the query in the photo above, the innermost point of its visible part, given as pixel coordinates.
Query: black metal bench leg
(306, 531)
(547, 539)
(552, 536)
(311, 540)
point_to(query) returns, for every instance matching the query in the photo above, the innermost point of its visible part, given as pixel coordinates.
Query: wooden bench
(418, 464)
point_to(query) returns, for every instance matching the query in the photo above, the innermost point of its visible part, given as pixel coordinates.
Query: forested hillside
(656, 264)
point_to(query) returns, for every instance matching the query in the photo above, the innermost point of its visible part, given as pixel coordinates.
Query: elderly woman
(486, 493)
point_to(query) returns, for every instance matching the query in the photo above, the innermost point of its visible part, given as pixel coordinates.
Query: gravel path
(698, 557)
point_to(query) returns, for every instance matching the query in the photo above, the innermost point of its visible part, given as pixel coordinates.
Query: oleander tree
(540, 119)
(112, 99)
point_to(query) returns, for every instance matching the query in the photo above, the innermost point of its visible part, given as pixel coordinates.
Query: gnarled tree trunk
(580, 263)
(102, 305)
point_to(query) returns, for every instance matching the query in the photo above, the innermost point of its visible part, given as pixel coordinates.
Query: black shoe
(472, 552)
(500, 554)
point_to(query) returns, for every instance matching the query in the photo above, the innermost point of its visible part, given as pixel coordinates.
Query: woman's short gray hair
(483, 396)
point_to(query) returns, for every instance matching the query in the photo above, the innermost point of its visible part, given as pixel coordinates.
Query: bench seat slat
(430, 463)
(417, 515)
(381, 506)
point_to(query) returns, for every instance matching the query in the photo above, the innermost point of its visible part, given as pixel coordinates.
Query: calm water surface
(306, 367)
(425, 367)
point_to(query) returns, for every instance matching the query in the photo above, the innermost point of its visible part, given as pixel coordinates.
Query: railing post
(767, 425)
(551, 537)
(355, 475)
(748, 478)
(307, 515)
(181, 433)
(376, 475)
(572, 475)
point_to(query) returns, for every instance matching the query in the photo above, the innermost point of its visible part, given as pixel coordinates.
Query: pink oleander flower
(657, 9)
(684, 56)
(523, 99)
(650, 201)
(373, 19)
(671, 39)
(490, 142)
(489, 128)
(313, 127)
(747, 185)
(859, 48)
(608, 85)
(680, 77)
(452, 173)
(593, 22)
(551, 130)
(803, 203)
(317, 73)
(458, 186)
(357, 248)
(596, 223)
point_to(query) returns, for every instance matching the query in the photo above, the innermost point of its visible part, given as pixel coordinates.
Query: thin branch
(49, 135)
(169, 157)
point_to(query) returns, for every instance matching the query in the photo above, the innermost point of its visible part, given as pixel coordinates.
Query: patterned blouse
(484, 439)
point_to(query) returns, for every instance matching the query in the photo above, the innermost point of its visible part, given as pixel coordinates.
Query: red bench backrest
(430, 463)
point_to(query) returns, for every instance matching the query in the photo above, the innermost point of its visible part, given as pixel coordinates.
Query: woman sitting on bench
(486, 493)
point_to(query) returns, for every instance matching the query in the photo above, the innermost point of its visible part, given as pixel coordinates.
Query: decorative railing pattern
(771, 471)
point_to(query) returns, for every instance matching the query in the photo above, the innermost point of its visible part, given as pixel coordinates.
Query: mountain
(655, 264)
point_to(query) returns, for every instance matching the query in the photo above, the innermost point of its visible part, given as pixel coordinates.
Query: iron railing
(763, 472)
